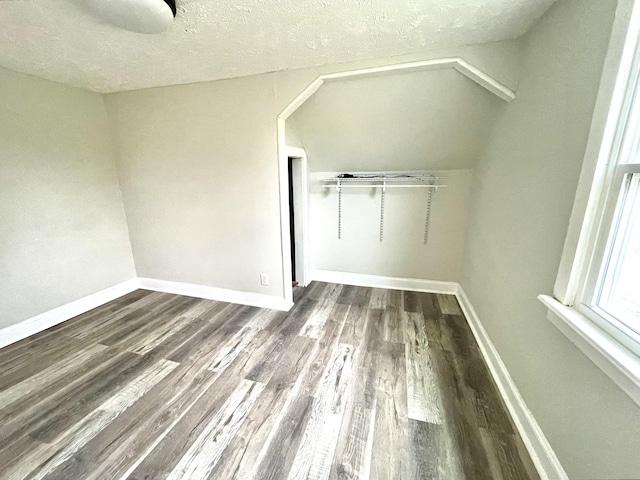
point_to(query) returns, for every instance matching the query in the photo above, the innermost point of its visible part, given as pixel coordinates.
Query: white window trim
(603, 343)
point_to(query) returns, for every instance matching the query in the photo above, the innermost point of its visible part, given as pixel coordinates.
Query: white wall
(433, 120)
(64, 234)
(199, 170)
(291, 134)
(402, 252)
(404, 121)
(521, 201)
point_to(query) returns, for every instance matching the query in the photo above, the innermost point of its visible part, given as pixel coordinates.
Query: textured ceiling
(61, 40)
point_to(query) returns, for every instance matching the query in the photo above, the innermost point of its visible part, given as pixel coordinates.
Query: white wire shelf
(382, 182)
(377, 181)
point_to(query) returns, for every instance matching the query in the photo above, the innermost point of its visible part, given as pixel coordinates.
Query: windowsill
(616, 361)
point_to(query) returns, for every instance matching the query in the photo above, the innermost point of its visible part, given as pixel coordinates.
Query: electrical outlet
(264, 279)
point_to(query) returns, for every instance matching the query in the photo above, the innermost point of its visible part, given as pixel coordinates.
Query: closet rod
(342, 185)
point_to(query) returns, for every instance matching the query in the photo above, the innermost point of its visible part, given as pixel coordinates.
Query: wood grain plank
(115, 327)
(410, 302)
(271, 349)
(16, 415)
(79, 401)
(171, 344)
(48, 457)
(433, 320)
(204, 308)
(217, 331)
(303, 376)
(119, 446)
(355, 325)
(159, 335)
(148, 334)
(48, 376)
(33, 360)
(428, 451)
(315, 290)
(151, 299)
(289, 322)
(240, 458)
(230, 350)
(390, 457)
(206, 450)
(352, 457)
(373, 334)
(461, 423)
(449, 305)
(423, 396)
(315, 453)
(394, 299)
(477, 385)
(347, 294)
(430, 305)
(96, 318)
(319, 316)
(392, 329)
(505, 461)
(362, 297)
(52, 410)
(163, 453)
(378, 298)
(279, 451)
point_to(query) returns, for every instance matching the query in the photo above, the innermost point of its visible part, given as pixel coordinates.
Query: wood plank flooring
(352, 383)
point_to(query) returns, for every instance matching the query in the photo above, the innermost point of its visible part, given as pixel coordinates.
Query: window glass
(619, 292)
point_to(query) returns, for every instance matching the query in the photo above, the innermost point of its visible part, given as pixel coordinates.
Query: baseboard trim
(377, 281)
(39, 323)
(542, 454)
(214, 293)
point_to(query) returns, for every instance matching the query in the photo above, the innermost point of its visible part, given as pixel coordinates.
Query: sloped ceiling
(62, 41)
(414, 121)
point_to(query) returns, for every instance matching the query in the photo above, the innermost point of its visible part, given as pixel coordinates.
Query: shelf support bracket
(339, 189)
(384, 190)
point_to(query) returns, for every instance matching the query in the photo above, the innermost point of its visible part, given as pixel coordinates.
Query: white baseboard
(39, 323)
(33, 325)
(214, 293)
(377, 281)
(542, 454)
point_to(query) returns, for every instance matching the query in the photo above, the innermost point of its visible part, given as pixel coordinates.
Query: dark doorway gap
(292, 228)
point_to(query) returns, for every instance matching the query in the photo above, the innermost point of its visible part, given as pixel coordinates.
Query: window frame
(610, 344)
(591, 282)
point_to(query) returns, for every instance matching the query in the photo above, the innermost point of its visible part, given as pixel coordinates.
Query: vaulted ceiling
(62, 40)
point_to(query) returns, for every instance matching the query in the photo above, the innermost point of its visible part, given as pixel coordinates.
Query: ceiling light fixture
(142, 16)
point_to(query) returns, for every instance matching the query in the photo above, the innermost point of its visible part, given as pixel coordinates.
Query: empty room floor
(352, 383)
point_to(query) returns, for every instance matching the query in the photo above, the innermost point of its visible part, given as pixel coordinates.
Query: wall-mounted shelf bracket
(384, 181)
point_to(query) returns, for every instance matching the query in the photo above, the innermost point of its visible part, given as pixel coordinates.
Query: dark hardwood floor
(352, 383)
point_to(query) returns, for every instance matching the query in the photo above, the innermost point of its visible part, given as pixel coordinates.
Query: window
(596, 300)
(618, 293)
(611, 292)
